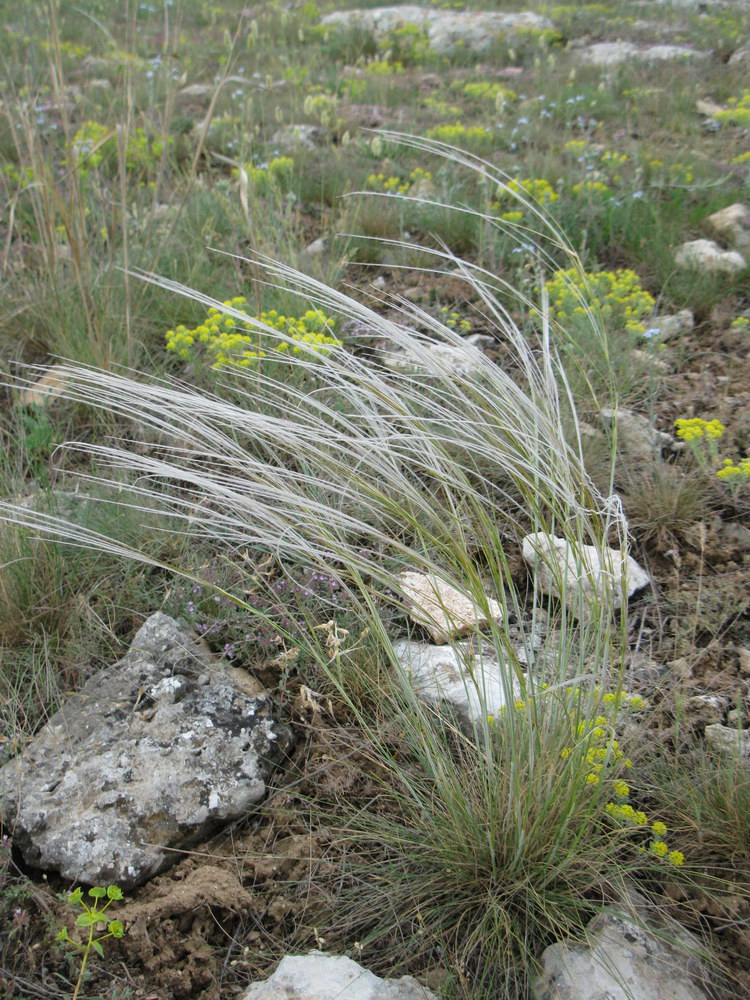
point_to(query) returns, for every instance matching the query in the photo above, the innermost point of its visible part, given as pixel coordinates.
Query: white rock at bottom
(329, 977)
(473, 686)
(622, 961)
(709, 256)
(591, 574)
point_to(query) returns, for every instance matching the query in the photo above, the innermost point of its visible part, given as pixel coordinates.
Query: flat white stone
(330, 977)
(614, 53)
(592, 575)
(472, 685)
(460, 359)
(443, 610)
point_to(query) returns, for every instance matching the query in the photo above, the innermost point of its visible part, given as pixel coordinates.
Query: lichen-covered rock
(471, 685)
(330, 977)
(588, 574)
(151, 755)
(708, 256)
(445, 612)
(475, 30)
(670, 325)
(621, 960)
(728, 741)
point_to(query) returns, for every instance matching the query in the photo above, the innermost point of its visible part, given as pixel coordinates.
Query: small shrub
(235, 339)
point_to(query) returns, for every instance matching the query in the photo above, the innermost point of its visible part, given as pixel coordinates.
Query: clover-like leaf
(114, 892)
(116, 928)
(98, 892)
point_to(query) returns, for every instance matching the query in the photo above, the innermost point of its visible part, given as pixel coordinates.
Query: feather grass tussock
(489, 844)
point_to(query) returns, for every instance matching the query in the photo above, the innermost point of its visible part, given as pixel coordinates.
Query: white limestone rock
(458, 359)
(732, 224)
(153, 754)
(623, 960)
(300, 136)
(443, 610)
(607, 54)
(318, 976)
(475, 31)
(591, 577)
(708, 256)
(473, 685)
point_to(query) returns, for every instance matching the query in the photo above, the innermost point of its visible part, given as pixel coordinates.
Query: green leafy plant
(92, 919)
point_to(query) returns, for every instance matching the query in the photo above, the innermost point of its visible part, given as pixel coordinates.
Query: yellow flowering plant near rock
(535, 189)
(614, 297)
(701, 436)
(595, 751)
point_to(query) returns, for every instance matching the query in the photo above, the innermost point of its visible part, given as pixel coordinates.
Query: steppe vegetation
(228, 227)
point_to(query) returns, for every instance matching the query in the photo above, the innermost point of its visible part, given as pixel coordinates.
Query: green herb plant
(93, 917)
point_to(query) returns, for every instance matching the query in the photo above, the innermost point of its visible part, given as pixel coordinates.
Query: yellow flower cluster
(228, 341)
(381, 67)
(738, 112)
(18, 175)
(532, 188)
(92, 143)
(675, 173)
(590, 188)
(396, 185)
(442, 108)
(694, 428)
(469, 136)
(595, 750)
(536, 189)
(488, 91)
(455, 321)
(610, 158)
(735, 472)
(623, 814)
(616, 297)
(270, 176)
